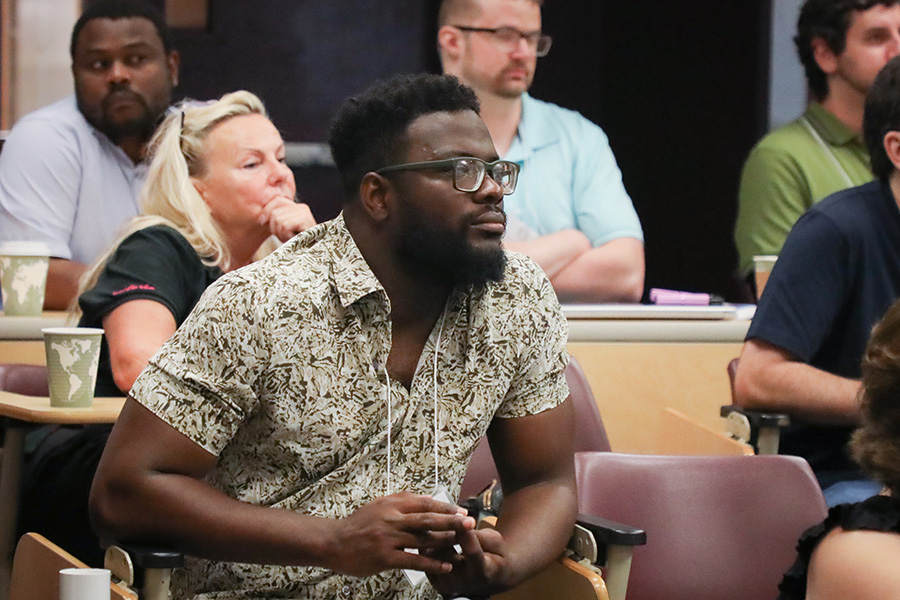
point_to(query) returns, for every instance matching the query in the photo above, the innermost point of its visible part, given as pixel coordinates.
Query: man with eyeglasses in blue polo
(571, 212)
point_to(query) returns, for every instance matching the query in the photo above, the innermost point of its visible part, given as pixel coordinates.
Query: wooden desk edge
(657, 330)
(37, 409)
(14, 328)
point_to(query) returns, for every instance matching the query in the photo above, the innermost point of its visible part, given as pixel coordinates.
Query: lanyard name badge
(439, 491)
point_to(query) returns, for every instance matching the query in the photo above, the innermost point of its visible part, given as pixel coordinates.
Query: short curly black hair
(829, 20)
(369, 130)
(122, 9)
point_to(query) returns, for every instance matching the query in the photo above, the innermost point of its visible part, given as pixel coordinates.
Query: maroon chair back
(590, 434)
(717, 526)
(28, 380)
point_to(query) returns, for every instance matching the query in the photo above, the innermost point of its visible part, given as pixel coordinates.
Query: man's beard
(436, 254)
(141, 127)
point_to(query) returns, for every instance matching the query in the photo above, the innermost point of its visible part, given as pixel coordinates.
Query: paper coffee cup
(23, 277)
(84, 584)
(73, 354)
(762, 268)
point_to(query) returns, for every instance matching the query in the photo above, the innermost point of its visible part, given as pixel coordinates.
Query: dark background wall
(679, 87)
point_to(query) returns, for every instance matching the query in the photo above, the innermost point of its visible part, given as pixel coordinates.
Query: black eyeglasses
(508, 38)
(468, 172)
(181, 108)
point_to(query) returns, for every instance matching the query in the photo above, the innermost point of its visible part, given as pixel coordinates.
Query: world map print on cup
(23, 277)
(73, 354)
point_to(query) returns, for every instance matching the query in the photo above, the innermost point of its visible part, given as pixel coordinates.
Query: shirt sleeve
(203, 380)
(806, 289)
(603, 209)
(155, 263)
(772, 195)
(540, 382)
(40, 175)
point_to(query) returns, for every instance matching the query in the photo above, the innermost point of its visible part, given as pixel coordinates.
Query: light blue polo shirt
(64, 183)
(569, 177)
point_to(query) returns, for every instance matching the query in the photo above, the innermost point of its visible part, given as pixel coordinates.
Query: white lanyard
(434, 395)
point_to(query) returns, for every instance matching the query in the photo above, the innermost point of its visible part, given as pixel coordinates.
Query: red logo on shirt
(133, 287)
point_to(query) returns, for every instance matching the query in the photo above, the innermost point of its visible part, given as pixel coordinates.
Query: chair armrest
(594, 535)
(144, 568)
(150, 557)
(609, 545)
(758, 428)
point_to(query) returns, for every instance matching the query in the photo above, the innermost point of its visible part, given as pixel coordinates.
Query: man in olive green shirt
(842, 46)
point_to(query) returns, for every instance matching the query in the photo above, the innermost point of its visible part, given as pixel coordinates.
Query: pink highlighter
(676, 298)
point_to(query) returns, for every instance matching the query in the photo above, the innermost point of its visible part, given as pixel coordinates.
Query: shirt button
(346, 591)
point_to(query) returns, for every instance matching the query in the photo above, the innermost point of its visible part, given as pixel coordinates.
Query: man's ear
(449, 43)
(173, 60)
(824, 55)
(891, 143)
(375, 193)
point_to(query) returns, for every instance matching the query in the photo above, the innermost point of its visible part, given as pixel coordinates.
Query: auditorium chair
(36, 567)
(717, 526)
(28, 380)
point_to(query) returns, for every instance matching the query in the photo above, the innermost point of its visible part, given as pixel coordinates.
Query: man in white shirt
(70, 172)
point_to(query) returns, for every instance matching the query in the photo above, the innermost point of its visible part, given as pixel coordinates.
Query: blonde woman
(216, 191)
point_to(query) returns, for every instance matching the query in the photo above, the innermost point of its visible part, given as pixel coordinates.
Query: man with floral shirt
(292, 432)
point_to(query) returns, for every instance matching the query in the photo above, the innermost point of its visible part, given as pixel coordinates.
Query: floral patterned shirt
(279, 372)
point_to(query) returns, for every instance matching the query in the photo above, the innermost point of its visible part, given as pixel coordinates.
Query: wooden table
(639, 367)
(19, 414)
(21, 340)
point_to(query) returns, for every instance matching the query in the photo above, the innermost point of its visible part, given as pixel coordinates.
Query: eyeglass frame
(181, 108)
(452, 162)
(537, 36)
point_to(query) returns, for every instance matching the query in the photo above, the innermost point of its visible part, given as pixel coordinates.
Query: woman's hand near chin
(286, 218)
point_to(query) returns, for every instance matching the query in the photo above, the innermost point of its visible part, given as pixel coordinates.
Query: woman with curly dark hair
(854, 553)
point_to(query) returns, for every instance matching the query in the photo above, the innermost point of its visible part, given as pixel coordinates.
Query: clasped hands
(377, 536)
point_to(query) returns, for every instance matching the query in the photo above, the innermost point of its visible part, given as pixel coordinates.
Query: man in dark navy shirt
(836, 276)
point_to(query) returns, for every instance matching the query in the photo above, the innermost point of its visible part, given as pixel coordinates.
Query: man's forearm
(613, 272)
(555, 252)
(536, 522)
(150, 487)
(62, 283)
(185, 513)
(767, 379)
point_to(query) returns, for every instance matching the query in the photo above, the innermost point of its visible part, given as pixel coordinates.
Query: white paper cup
(84, 584)
(23, 277)
(73, 354)
(762, 268)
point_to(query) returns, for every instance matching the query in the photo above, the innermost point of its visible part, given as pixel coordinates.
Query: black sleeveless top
(879, 513)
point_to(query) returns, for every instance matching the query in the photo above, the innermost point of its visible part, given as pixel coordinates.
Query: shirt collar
(830, 127)
(353, 279)
(533, 132)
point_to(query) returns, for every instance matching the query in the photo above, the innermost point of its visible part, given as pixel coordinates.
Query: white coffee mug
(84, 584)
